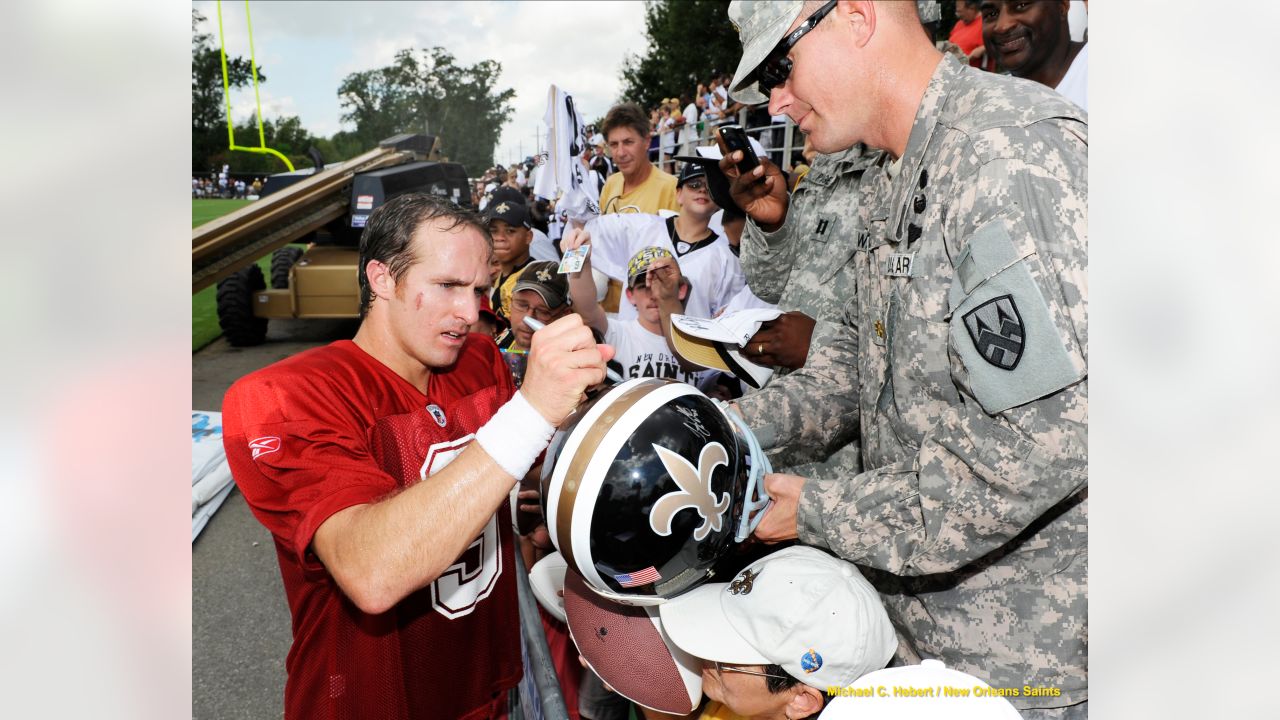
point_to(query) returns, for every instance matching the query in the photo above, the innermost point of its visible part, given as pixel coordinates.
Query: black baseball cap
(690, 171)
(512, 213)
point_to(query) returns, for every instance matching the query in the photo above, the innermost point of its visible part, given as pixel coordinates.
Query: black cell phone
(735, 138)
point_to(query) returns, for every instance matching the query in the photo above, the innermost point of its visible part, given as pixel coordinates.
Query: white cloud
(306, 48)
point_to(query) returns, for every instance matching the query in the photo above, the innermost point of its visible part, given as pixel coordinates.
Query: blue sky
(306, 48)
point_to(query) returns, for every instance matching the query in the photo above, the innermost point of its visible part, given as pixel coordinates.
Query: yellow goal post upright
(262, 148)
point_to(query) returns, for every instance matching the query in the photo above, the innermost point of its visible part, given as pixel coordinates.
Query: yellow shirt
(657, 192)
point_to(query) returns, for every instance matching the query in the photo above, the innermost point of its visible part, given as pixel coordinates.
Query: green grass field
(204, 311)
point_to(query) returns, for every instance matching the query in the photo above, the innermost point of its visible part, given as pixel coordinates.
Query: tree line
(428, 91)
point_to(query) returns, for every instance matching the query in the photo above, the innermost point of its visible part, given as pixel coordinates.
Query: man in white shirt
(1033, 41)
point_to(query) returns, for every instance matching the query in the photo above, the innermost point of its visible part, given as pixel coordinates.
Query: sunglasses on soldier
(776, 67)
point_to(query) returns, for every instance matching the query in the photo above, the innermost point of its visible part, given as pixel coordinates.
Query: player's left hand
(779, 521)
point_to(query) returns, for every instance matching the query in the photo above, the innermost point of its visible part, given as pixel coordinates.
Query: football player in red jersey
(382, 467)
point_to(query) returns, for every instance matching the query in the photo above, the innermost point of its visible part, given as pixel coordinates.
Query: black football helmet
(647, 486)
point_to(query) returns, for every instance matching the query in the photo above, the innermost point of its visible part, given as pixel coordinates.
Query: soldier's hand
(564, 360)
(779, 521)
(783, 342)
(761, 193)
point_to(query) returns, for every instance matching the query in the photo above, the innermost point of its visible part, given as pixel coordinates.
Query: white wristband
(515, 436)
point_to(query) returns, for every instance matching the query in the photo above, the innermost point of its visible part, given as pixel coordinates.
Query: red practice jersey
(330, 428)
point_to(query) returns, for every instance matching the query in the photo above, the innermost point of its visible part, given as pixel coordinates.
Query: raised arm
(582, 285)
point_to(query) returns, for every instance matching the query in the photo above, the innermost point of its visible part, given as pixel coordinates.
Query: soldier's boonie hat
(930, 11)
(760, 24)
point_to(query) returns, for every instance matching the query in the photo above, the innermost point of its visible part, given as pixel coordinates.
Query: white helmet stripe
(602, 459)
(571, 445)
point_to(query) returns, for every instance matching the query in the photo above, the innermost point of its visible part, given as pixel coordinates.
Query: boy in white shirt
(639, 345)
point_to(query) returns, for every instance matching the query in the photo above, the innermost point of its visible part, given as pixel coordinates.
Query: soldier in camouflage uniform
(965, 345)
(806, 266)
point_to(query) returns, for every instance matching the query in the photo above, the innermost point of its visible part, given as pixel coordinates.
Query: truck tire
(281, 261)
(235, 308)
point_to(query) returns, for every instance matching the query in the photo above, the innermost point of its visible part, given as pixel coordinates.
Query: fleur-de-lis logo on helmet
(695, 491)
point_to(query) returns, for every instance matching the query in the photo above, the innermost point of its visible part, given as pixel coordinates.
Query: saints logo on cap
(742, 584)
(501, 208)
(543, 275)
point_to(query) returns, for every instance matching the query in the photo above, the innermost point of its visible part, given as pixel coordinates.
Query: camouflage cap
(930, 11)
(760, 24)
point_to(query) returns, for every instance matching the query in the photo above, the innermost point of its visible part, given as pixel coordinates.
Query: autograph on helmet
(695, 491)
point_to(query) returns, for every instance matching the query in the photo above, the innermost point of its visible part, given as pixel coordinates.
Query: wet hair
(388, 235)
(625, 115)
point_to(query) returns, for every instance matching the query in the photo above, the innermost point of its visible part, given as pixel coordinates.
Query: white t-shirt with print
(645, 354)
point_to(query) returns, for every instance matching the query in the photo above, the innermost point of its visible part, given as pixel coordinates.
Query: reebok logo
(264, 445)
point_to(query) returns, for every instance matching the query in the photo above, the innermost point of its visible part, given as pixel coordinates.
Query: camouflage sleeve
(767, 259)
(1005, 453)
(811, 412)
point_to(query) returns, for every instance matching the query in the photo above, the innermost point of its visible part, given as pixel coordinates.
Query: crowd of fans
(219, 184)
(670, 239)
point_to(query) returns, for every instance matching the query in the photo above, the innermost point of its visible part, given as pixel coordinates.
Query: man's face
(629, 150)
(965, 13)
(695, 199)
(529, 303)
(830, 112)
(645, 301)
(745, 695)
(1024, 34)
(510, 242)
(438, 299)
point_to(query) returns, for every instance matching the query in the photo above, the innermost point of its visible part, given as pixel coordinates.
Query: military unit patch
(997, 331)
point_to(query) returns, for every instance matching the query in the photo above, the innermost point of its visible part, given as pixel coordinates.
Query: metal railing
(766, 134)
(538, 695)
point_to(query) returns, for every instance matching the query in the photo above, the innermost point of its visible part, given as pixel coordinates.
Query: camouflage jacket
(966, 345)
(807, 265)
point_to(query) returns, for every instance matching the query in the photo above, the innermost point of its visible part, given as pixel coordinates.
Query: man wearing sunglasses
(964, 345)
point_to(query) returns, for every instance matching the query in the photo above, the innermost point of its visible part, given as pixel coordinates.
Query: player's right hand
(564, 360)
(761, 193)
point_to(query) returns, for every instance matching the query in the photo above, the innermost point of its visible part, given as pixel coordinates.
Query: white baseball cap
(928, 691)
(811, 614)
(546, 577)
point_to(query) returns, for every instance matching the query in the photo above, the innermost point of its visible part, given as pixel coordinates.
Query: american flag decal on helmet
(639, 577)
